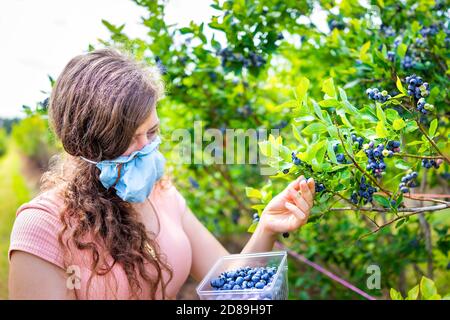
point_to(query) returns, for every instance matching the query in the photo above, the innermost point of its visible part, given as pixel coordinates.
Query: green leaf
(302, 89)
(252, 227)
(433, 127)
(395, 295)
(253, 193)
(329, 103)
(317, 110)
(315, 127)
(400, 86)
(400, 223)
(186, 30)
(380, 113)
(330, 151)
(363, 56)
(427, 288)
(381, 130)
(297, 135)
(401, 50)
(402, 164)
(328, 88)
(398, 124)
(413, 294)
(381, 200)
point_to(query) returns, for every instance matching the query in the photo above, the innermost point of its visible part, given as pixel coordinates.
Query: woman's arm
(286, 212)
(33, 278)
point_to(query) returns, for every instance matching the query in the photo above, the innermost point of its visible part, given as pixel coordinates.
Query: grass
(14, 191)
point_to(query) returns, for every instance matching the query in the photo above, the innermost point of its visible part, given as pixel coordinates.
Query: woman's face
(144, 134)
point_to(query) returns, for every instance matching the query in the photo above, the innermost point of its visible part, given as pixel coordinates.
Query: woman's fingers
(312, 185)
(299, 215)
(295, 210)
(299, 201)
(306, 193)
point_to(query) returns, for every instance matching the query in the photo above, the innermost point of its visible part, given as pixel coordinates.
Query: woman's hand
(290, 209)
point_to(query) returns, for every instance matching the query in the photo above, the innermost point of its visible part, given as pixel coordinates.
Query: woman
(106, 225)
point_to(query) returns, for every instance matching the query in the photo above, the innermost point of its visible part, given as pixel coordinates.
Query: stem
(414, 210)
(407, 155)
(432, 142)
(423, 209)
(425, 226)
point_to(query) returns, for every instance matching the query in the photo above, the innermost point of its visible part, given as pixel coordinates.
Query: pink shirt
(37, 226)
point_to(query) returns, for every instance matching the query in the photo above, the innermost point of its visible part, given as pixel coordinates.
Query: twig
(432, 142)
(414, 210)
(407, 155)
(425, 226)
(419, 210)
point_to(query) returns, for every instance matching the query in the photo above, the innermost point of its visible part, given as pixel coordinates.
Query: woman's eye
(151, 134)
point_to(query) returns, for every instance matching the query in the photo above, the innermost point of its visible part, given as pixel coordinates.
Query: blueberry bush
(362, 106)
(33, 136)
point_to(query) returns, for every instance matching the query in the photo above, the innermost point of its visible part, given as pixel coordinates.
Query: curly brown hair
(96, 105)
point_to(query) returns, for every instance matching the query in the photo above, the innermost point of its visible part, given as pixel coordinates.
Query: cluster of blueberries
(162, 68)
(365, 192)
(255, 218)
(319, 187)
(340, 157)
(409, 62)
(244, 278)
(429, 31)
(408, 182)
(253, 59)
(245, 111)
(296, 160)
(375, 94)
(419, 89)
(336, 24)
(428, 163)
(424, 107)
(376, 155)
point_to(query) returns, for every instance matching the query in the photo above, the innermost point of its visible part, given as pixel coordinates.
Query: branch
(432, 142)
(407, 155)
(415, 212)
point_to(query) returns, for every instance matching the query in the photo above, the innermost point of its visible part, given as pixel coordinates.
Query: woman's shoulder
(36, 227)
(49, 202)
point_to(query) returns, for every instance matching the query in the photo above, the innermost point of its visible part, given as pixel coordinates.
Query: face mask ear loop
(87, 160)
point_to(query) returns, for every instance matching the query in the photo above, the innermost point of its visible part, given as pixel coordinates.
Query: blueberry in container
(254, 276)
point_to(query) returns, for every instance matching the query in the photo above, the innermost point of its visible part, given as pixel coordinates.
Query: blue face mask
(133, 176)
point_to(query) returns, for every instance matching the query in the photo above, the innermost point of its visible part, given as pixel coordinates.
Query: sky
(38, 38)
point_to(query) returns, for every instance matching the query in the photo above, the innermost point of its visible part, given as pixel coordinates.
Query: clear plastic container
(276, 290)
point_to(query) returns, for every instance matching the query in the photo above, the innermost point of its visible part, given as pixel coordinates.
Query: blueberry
(259, 285)
(239, 280)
